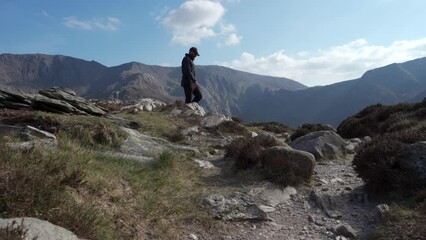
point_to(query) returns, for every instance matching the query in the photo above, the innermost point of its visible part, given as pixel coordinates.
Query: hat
(195, 50)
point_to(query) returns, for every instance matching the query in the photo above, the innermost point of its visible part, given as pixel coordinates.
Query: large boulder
(286, 165)
(235, 207)
(37, 229)
(414, 160)
(322, 144)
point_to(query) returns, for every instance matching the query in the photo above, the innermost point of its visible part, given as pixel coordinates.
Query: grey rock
(266, 137)
(273, 195)
(193, 109)
(282, 160)
(334, 214)
(204, 164)
(144, 104)
(38, 229)
(323, 200)
(214, 119)
(322, 144)
(235, 207)
(346, 230)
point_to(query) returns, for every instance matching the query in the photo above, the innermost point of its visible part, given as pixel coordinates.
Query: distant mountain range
(250, 96)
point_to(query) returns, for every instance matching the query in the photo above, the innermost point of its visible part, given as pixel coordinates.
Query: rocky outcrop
(235, 207)
(37, 229)
(322, 144)
(32, 137)
(214, 119)
(57, 100)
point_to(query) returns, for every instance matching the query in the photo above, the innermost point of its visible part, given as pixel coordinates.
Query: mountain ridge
(252, 97)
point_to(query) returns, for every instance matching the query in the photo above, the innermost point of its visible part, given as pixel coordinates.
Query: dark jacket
(188, 71)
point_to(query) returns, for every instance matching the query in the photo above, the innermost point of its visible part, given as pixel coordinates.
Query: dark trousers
(188, 94)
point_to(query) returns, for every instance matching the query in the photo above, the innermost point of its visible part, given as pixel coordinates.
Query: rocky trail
(335, 207)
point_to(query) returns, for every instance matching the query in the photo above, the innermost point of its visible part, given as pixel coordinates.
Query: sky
(311, 41)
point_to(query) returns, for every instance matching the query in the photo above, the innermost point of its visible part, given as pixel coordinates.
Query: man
(189, 83)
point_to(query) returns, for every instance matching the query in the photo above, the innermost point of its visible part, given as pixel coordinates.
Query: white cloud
(233, 39)
(196, 20)
(109, 24)
(339, 63)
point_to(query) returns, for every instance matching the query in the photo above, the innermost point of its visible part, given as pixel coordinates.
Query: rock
(38, 229)
(367, 139)
(138, 144)
(236, 206)
(334, 214)
(70, 97)
(280, 161)
(204, 164)
(144, 104)
(35, 133)
(35, 137)
(346, 230)
(322, 144)
(214, 119)
(193, 109)
(190, 130)
(382, 213)
(414, 160)
(253, 134)
(311, 218)
(193, 236)
(267, 209)
(323, 200)
(274, 195)
(57, 100)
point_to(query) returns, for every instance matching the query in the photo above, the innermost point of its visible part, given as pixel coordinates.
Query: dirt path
(295, 215)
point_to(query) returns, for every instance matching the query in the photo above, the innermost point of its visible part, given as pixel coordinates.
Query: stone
(334, 214)
(282, 160)
(35, 137)
(235, 207)
(382, 213)
(323, 200)
(273, 195)
(346, 230)
(193, 236)
(193, 109)
(144, 104)
(414, 160)
(38, 229)
(322, 144)
(214, 119)
(253, 134)
(267, 209)
(204, 164)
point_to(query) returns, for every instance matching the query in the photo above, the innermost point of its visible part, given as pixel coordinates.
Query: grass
(104, 197)
(157, 123)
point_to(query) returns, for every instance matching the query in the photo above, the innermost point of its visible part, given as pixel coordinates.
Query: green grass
(157, 123)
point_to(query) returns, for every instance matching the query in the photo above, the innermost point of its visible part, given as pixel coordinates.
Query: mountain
(222, 87)
(395, 83)
(254, 98)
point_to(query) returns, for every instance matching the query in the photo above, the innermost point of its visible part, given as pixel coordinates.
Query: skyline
(312, 42)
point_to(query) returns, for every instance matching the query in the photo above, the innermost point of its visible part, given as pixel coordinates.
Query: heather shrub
(274, 127)
(246, 151)
(232, 127)
(377, 164)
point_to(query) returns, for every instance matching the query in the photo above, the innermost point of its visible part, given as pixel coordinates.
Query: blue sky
(311, 41)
